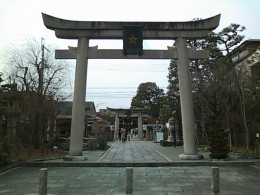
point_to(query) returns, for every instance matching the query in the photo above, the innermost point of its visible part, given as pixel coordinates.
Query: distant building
(105, 112)
(94, 126)
(66, 108)
(63, 119)
(246, 58)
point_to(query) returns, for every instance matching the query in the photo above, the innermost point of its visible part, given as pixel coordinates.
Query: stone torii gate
(178, 31)
(122, 111)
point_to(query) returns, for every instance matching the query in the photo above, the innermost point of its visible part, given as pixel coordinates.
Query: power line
(131, 67)
(111, 88)
(110, 92)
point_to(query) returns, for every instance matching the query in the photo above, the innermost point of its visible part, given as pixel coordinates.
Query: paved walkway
(132, 151)
(146, 180)
(158, 180)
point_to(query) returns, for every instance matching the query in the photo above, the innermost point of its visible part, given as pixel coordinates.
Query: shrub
(218, 142)
(5, 151)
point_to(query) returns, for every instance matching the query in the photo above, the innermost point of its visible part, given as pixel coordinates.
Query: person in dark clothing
(123, 134)
(119, 135)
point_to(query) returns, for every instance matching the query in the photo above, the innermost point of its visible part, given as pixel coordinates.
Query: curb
(106, 152)
(158, 152)
(6, 168)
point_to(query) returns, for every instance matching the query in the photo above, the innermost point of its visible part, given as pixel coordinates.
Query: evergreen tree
(149, 97)
(212, 85)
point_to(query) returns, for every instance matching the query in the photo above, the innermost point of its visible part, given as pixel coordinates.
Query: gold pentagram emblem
(132, 40)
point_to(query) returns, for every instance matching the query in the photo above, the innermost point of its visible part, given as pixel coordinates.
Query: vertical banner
(133, 39)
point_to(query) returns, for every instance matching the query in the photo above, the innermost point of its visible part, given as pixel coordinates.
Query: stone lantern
(172, 131)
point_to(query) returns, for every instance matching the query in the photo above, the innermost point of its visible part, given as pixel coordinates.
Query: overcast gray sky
(112, 83)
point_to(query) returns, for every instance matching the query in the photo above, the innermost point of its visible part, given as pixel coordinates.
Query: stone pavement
(80, 178)
(139, 153)
(146, 180)
(132, 151)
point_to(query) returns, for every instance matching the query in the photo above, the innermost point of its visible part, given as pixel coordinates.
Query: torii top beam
(70, 29)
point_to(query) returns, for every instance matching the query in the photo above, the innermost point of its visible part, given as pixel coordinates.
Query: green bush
(5, 151)
(218, 142)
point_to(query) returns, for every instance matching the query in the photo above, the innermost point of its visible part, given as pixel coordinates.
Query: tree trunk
(243, 112)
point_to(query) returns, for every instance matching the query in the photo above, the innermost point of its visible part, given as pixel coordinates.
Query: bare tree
(34, 68)
(42, 79)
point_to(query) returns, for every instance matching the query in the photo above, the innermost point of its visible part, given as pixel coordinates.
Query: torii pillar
(116, 125)
(78, 108)
(179, 31)
(140, 125)
(187, 111)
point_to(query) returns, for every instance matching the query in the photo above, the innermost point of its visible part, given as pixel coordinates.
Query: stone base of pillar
(75, 158)
(191, 156)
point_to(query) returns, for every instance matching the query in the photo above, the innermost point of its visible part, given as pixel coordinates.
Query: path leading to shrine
(132, 152)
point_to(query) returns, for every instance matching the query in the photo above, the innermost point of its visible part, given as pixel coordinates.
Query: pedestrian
(123, 133)
(119, 135)
(126, 134)
(132, 133)
(136, 132)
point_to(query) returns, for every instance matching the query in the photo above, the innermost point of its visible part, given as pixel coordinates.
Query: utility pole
(40, 90)
(42, 131)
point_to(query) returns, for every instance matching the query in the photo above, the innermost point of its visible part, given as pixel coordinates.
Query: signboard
(133, 39)
(159, 136)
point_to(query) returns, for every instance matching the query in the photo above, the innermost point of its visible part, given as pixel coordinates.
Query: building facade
(246, 58)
